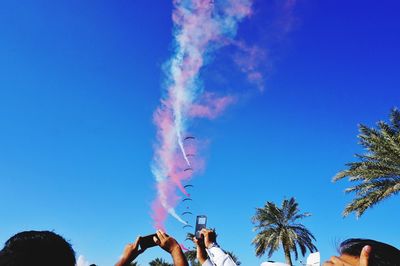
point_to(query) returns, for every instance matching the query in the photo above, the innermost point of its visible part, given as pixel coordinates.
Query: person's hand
(166, 242)
(131, 251)
(201, 253)
(171, 246)
(210, 237)
(351, 261)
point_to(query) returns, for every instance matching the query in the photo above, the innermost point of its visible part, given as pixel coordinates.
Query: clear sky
(79, 81)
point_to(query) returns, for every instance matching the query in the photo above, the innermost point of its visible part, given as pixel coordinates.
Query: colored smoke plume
(200, 27)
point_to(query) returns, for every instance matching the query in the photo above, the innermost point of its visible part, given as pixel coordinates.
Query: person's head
(381, 254)
(43, 248)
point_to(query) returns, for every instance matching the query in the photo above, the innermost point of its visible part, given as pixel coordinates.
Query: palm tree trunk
(287, 255)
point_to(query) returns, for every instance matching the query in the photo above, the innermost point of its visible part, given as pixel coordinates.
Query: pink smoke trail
(200, 26)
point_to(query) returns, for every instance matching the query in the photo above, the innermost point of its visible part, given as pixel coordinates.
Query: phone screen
(201, 222)
(147, 241)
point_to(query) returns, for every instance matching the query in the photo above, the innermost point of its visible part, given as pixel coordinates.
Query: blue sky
(79, 81)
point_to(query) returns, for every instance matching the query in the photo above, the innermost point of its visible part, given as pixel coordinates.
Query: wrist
(202, 260)
(211, 245)
(176, 249)
(178, 257)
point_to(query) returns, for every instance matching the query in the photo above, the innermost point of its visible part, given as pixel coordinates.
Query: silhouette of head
(381, 255)
(42, 248)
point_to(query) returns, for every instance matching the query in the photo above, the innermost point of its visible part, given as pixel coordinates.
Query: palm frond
(377, 174)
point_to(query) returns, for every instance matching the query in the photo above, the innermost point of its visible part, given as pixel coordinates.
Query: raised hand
(130, 253)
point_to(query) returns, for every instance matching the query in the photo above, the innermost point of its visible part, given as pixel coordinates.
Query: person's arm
(131, 251)
(215, 253)
(201, 252)
(170, 245)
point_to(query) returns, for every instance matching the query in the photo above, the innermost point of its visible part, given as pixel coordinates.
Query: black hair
(43, 248)
(381, 254)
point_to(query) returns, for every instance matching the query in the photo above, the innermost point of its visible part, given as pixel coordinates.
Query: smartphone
(201, 222)
(147, 241)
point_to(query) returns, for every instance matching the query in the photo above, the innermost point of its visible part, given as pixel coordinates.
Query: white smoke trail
(200, 26)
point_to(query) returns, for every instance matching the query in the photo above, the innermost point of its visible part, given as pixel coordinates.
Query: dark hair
(43, 248)
(381, 254)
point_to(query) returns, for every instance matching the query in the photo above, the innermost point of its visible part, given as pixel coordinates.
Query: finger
(160, 235)
(364, 256)
(163, 233)
(204, 232)
(196, 241)
(328, 263)
(136, 241)
(156, 240)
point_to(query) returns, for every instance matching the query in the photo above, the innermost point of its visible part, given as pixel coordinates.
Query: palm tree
(159, 262)
(279, 226)
(377, 174)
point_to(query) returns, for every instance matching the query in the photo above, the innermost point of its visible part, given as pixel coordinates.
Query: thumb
(137, 241)
(156, 240)
(364, 256)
